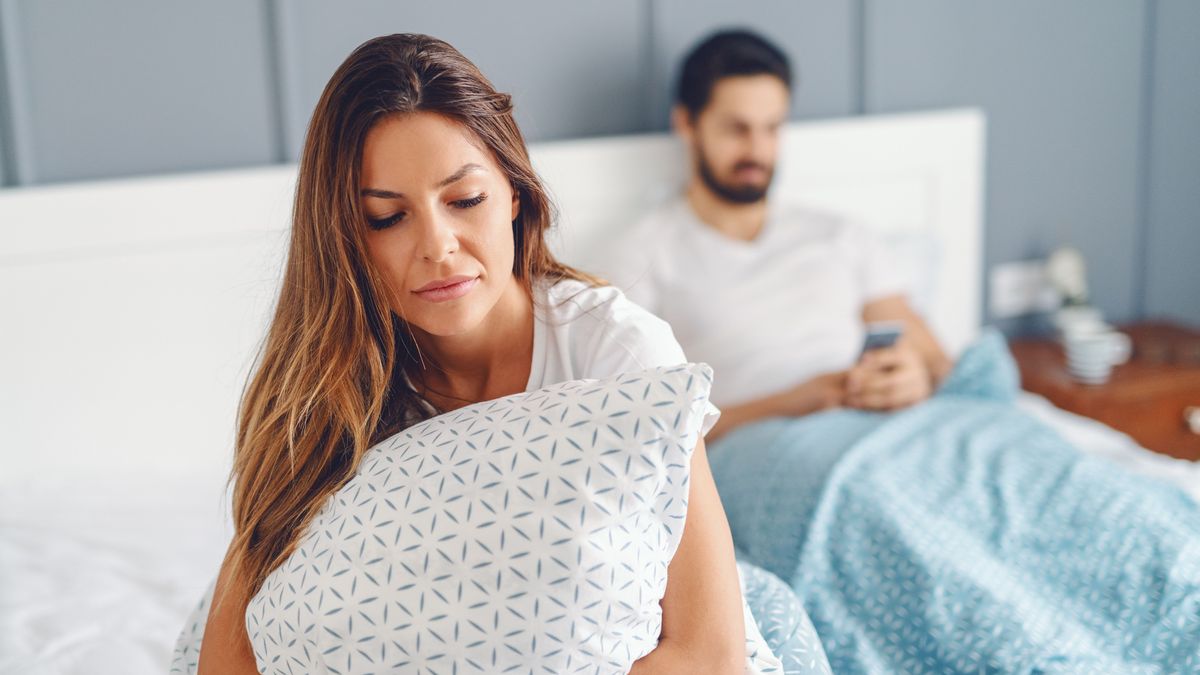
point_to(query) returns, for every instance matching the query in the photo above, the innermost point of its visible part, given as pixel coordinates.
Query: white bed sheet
(99, 580)
(1103, 441)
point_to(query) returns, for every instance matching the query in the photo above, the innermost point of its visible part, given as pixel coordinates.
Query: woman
(419, 281)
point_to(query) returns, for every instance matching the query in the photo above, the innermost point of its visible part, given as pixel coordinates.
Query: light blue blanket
(964, 536)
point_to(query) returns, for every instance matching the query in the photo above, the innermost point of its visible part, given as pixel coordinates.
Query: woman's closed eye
(388, 221)
(470, 202)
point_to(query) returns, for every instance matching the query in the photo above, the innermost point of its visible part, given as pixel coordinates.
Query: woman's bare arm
(703, 629)
(226, 649)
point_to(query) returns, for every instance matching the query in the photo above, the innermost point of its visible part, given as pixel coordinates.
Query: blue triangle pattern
(527, 534)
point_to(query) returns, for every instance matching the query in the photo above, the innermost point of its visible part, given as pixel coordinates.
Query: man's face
(735, 138)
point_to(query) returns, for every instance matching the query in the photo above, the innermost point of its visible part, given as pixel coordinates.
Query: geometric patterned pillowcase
(530, 533)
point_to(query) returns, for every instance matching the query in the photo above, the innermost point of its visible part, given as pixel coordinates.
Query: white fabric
(580, 332)
(765, 314)
(149, 547)
(531, 532)
(916, 258)
(592, 332)
(585, 331)
(96, 576)
(1101, 440)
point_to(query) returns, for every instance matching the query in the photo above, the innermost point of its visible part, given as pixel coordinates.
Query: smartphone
(881, 334)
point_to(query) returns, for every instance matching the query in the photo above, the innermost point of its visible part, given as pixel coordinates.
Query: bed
(132, 310)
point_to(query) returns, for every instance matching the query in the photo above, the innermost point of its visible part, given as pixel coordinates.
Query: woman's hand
(669, 658)
(888, 379)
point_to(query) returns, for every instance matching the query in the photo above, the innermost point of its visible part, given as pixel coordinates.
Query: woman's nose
(438, 240)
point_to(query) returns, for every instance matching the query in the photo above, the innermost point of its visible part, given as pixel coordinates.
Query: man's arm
(703, 629)
(916, 333)
(892, 378)
(820, 393)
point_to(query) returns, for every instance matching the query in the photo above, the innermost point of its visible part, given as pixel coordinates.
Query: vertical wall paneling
(16, 157)
(277, 70)
(7, 168)
(1172, 246)
(291, 113)
(1061, 85)
(818, 37)
(140, 86)
(651, 79)
(860, 57)
(1145, 122)
(574, 69)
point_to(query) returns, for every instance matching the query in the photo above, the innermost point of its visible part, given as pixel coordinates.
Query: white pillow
(531, 533)
(916, 255)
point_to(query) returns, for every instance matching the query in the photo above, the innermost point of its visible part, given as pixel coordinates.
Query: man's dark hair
(727, 54)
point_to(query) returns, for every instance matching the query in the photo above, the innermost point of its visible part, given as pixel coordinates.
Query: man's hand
(889, 379)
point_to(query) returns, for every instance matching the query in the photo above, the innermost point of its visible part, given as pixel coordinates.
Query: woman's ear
(516, 203)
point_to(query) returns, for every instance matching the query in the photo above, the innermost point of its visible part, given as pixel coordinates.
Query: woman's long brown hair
(329, 381)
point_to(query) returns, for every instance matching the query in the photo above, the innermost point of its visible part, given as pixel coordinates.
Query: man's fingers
(856, 377)
(889, 391)
(875, 395)
(883, 358)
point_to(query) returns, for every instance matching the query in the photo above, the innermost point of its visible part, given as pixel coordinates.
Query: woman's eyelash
(382, 223)
(473, 201)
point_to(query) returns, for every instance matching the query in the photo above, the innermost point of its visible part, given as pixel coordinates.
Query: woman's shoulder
(569, 300)
(605, 330)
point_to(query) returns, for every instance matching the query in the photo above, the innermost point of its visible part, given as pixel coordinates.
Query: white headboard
(130, 310)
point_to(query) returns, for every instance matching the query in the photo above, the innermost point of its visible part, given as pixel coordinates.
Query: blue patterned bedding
(780, 618)
(964, 536)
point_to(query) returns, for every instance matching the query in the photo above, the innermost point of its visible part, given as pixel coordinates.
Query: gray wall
(1170, 254)
(1093, 105)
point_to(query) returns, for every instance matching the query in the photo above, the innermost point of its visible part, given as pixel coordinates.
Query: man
(773, 297)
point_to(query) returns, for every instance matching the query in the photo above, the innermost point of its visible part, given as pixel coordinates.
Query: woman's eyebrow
(462, 171)
(456, 176)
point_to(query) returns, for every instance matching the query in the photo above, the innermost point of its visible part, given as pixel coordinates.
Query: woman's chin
(450, 324)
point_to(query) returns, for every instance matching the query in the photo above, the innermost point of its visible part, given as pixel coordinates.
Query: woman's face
(440, 215)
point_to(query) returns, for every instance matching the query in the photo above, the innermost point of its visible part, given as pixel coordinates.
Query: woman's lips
(446, 289)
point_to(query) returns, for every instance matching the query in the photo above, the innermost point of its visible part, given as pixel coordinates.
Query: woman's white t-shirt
(581, 331)
(593, 332)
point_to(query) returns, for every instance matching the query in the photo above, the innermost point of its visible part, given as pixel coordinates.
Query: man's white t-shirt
(766, 314)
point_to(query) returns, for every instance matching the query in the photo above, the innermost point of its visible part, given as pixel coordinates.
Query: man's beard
(735, 194)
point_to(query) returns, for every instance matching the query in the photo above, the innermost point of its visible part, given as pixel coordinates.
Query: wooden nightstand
(1148, 398)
